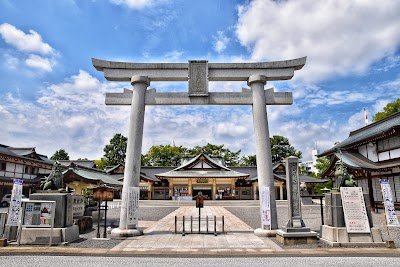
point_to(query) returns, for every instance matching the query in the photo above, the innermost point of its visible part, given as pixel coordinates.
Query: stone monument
(295, 231)
(198, 73)
(52, 190)
(348, 219)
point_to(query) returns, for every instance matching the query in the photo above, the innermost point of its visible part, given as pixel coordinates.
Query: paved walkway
(161, 237)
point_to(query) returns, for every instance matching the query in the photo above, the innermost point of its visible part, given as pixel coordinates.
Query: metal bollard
(215, 225)
(207, 223)
(176, 222)
(183, 227)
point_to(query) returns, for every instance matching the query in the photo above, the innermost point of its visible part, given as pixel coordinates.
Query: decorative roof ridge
(196, 158)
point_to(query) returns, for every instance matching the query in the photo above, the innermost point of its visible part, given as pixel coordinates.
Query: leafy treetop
(115, 151)
(388, 110)
(60, 154)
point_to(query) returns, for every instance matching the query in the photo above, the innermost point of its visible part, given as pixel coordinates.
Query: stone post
(293, 192)
(263, 148)
(133, 153)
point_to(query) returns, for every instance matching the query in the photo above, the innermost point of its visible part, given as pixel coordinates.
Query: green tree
(281, 149)
(322, 164)
(164, 155)
(101, 164)
(248, 160)
(390, 109)
(231, 158)
(115, 152)
(60, 154)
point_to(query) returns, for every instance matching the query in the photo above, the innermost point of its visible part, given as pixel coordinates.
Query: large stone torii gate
(198, 73)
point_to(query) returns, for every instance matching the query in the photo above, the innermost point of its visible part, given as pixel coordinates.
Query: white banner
(390, 212)
(266, 208)
(133, 206)
(355, 213)
(14, 212)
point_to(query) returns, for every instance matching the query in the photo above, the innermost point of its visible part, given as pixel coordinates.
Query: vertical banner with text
(15, 210)
(266, 208)
(390, 212)
(133, 206)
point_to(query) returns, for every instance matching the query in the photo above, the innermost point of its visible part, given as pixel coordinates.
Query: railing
(200, 225)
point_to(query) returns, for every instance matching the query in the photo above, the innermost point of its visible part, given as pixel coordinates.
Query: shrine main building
(208, 175)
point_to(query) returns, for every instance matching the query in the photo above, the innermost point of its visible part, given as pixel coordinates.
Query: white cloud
(338, 37)
(38, 62)
(173, 56)
(31, 42)
(11, 61)
(134, 4)
(220, 42)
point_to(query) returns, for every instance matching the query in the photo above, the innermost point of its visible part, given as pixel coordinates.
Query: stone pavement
(238, 236)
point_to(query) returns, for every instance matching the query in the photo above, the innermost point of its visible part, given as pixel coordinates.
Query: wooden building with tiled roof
(371, 153)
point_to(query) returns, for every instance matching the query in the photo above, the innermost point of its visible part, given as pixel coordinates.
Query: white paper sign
(390, 212)
(266, 208)
(133, 206)
(355, 213)
(14, 212)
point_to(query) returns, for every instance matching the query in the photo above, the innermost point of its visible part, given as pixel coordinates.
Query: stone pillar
(255, 190)
(293, 192)
(190, 187)
(263, 146)
(171, 188)
(214, 188)
(133, 153)
(233, 188)
(281, 191)
(150, 189)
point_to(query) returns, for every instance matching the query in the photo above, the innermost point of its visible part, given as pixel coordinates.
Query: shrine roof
(369, 133)
(202, 166)
(91, 174)
(355, 160)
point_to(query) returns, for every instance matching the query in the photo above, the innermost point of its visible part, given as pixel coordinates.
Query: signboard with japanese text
(266, 207)
(133, 205)
(38, 213)
(14, 212)
(355, 212)
(390, 211)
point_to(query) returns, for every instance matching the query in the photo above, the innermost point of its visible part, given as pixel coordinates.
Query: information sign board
(38, 213)
(355, 213)
(390, 211)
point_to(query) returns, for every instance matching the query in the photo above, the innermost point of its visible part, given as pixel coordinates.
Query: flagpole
(365, 117)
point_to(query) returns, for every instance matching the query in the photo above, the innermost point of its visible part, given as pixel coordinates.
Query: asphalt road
(88, 261)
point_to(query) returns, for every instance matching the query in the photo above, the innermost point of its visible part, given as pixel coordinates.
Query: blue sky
(51, 97)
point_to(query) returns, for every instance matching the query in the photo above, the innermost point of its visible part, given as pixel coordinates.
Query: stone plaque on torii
(197, 73)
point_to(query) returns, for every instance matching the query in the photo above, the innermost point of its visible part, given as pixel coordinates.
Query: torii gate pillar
(263, 149)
